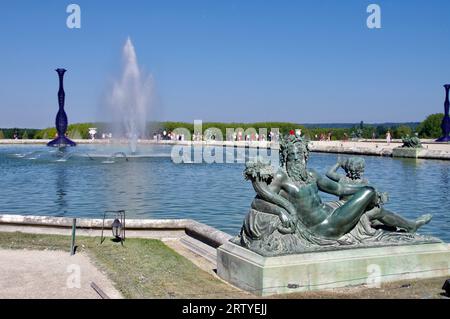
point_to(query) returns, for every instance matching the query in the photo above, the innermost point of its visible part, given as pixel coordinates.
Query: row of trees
(11, 133)
(429, 128)
(74, 131)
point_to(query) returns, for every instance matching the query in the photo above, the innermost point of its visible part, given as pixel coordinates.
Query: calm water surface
(215, 194)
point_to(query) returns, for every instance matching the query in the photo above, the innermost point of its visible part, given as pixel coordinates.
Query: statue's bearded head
(294, 154)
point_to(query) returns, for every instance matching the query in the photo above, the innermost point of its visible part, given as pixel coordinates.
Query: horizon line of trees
(429, 128)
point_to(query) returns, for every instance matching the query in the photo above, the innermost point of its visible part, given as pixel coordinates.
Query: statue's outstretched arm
(333, 174)
(331, 187)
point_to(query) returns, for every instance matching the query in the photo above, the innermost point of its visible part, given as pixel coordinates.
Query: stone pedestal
(331, 269)
(406, 152)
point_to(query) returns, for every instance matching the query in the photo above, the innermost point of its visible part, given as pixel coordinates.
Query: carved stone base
(331, 269)
(406, 152)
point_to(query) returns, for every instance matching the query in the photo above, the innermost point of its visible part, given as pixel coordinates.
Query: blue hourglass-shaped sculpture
(446, 120)
(61, 118)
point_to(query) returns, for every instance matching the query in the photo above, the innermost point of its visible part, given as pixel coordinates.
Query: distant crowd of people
(210, 136)
(168, 136)
(326, 137)
(250, 137)
(236, 135)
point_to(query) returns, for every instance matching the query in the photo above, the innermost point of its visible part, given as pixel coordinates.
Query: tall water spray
(130, 98)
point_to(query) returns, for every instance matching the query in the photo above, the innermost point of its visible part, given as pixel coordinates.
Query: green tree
(380, 131)
(25, 135)
(2, 136)
(431, 126)
(74, 134)
(402, 131)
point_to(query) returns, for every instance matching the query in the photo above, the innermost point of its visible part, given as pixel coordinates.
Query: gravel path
(50, 274)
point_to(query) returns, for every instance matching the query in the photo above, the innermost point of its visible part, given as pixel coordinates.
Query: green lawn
(147, 268)
(142, 268)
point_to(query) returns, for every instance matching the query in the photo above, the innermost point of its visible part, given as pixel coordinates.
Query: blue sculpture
(446, 120)
(61, 118)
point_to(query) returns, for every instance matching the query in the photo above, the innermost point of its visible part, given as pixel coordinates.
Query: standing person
(373, 135)
(388, 137)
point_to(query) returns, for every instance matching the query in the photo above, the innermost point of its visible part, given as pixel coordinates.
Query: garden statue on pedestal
(411, 142)
(288, 215)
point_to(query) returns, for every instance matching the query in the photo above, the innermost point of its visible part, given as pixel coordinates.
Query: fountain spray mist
(130, 99)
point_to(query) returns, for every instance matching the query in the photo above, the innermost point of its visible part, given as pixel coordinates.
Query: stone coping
(200, 231)
(430, 150)
(331, 255)
(262, 144)
(264, 276)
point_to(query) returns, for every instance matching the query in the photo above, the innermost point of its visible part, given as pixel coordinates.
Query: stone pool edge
(146, 228)
(431, 149)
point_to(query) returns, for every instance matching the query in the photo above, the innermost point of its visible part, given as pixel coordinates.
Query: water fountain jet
(130, 98)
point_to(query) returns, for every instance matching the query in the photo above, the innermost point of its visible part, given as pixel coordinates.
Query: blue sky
(301, 61)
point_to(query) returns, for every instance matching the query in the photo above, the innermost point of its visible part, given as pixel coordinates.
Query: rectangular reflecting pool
(36, 180)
